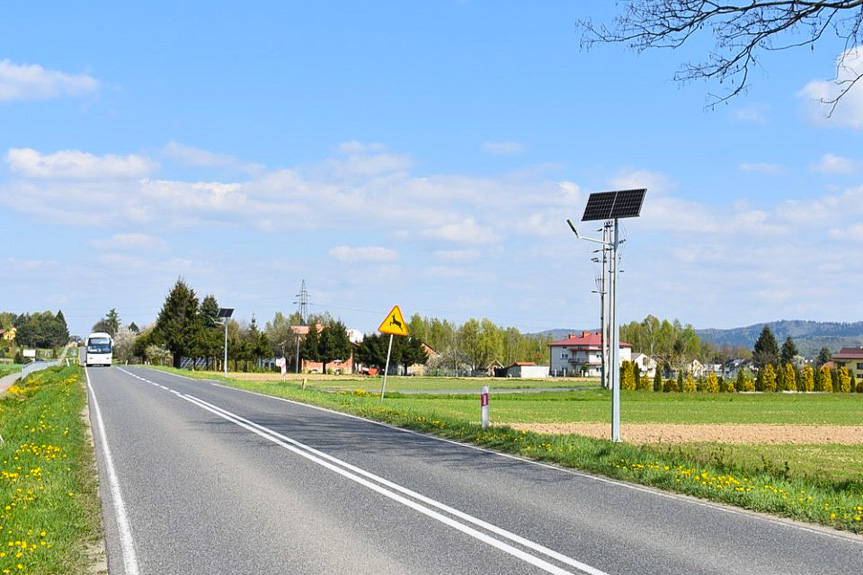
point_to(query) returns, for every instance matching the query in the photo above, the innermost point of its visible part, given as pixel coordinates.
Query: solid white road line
(127, 543)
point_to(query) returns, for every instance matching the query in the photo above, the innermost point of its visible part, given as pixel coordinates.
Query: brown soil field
(643, 433)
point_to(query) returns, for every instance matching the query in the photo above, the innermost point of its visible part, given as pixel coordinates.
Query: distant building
(581, 355)
(852, 358)
(645, 363)
(527, 369)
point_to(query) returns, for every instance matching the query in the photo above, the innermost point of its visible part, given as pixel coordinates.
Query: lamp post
(609, 207)
(225, 313)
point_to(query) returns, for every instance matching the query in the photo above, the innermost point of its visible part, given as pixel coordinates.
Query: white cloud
(655, 182)
(196, 157)
(131, 242)
(755, 114)
(503, 148)
(467, 231)
(457, 256)
(370, 254)
(33, 82)
(833, 164)
(820, 93)
(763, 168)
(73, 164)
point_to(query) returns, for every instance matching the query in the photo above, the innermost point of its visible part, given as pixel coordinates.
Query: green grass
(7, 368)
(649, 407)
(49, 508)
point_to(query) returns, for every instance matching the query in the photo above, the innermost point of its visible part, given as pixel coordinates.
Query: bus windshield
(99, 345)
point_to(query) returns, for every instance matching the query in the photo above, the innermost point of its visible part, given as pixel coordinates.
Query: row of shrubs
(768, 378)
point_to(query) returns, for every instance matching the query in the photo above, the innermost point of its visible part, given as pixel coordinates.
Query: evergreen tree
(712, 383)
(112, 321)
(788, 352)
(627, 377)
(766, 350)
(808, 378)
(740, 381)
(790, 378)
(310, 345)
(844, 380)
(372, 352)
(178, 327)
(824, 356)
(769, 378)
(681, 386)
(657, 380)
(759, 380)
(333, 344)
(825, 379)
(689, 386)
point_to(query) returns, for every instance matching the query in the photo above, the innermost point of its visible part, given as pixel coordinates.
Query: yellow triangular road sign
(394, 323)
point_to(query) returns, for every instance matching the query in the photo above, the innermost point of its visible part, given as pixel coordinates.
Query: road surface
(201, 479)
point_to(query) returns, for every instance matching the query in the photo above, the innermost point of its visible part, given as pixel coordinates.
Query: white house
(527, 369)
(579, 355)
(646, 364)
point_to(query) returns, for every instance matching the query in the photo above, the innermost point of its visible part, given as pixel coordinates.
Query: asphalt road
(201, 479)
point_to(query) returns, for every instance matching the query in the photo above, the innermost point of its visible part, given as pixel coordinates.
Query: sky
(422, 154)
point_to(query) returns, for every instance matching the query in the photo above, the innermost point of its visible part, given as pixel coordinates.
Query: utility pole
(303, 301)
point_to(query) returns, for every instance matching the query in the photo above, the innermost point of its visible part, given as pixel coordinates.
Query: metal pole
(387, 368)
(225, 362)
(604, 312)
(615, 344)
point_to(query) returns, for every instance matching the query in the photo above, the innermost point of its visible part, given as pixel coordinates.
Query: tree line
(39, 330)
(188, 327)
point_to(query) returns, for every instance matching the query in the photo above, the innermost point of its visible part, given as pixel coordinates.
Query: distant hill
(809, 336)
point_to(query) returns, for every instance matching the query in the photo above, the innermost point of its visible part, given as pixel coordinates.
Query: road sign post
(393, 324)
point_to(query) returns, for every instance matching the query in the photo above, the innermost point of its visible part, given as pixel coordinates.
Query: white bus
(100, 349)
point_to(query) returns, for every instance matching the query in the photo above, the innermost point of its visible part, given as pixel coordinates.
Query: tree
(740, 382)
(412, 352)
(178, 327)
(372, 352)
(808, 378)
(310, 345)
(788, 352)
(657, 380)
(741, 32)
(769, 378)
(689, 386)
(712, 383)
(333, 344)
(824, 356)
(124, 344)
(825, 379)
(844, 380)
(627, 376)
(112, 320)
(766, 350)
(790, 378)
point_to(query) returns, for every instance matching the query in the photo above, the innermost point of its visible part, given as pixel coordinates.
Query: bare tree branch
(741, 29)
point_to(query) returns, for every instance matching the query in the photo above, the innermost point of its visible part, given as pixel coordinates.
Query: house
(851, 358)
(346, 366)
(645, 363)
(527, 369)
(581, 355)
(419, 369)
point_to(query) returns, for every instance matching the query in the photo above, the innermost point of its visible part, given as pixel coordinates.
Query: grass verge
(49, 507)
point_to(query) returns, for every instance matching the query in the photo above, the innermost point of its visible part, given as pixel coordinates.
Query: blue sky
(425, 154)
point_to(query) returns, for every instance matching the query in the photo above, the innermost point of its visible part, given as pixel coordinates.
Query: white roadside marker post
(483, 402)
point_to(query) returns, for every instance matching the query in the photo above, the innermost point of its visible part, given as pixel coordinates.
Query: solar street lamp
(609, 207)
(225, 313)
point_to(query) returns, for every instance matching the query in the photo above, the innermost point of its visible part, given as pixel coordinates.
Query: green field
(648, 407)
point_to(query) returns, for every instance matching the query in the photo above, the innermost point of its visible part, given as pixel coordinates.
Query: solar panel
(613, 205)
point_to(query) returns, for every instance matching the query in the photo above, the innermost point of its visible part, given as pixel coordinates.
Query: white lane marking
(269, 434)
(127, 543)
(308, 453)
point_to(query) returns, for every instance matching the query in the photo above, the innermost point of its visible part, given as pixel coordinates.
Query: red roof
(587, 340)
(850, 353)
